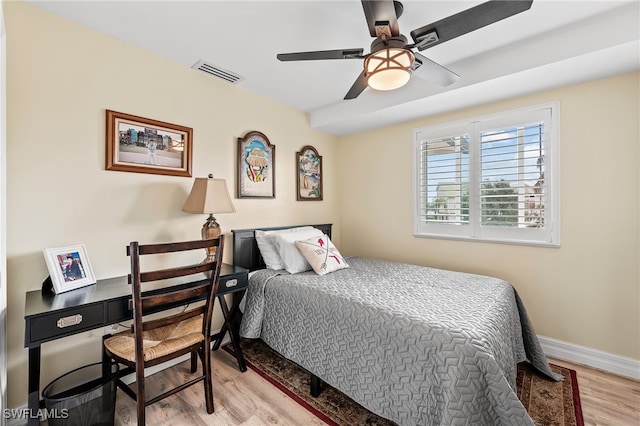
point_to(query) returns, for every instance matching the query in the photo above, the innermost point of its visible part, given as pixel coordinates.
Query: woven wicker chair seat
(158, 342)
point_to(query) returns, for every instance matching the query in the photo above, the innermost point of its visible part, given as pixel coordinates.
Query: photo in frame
(256, 174)
(309, 174)
(69, 267)
(142, 145)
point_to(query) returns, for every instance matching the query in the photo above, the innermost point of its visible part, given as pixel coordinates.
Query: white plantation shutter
(442, 171)
(512, 176)
(446, 179)
(492, 178)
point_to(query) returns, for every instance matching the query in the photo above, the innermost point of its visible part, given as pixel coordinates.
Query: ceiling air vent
(218, 72)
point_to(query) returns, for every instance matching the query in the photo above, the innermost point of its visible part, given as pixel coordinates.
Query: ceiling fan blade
(381, 14)
(466, 21)
(425, 68)
(358, 87)
(322, 54)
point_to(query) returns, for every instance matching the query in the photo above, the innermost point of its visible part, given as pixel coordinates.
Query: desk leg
(34, 385)
(233, 326)
(219, 336)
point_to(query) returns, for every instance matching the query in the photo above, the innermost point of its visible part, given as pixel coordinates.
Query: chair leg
(194, 361)
(208, 378)
(140, 396)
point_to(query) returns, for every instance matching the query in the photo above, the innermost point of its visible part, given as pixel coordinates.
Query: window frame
(549, 235)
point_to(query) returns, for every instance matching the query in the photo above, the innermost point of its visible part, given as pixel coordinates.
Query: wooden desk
(50, 317)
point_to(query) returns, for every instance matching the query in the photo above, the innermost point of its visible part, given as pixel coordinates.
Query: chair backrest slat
(174, 247)
(174, 296)
(182, 271)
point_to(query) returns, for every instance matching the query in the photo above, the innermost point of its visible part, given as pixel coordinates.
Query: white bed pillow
(321, 254)
(268, 249)
(292, 260)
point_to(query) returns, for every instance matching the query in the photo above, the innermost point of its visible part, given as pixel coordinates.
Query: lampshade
(209, 195)
(388, 68)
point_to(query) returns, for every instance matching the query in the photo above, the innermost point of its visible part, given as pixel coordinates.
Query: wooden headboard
(245, 248)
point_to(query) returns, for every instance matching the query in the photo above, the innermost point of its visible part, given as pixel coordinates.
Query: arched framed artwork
(309, 174)
(256, 174)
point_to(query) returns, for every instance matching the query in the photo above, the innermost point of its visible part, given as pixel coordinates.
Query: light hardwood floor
(606, 399)
(247, 399)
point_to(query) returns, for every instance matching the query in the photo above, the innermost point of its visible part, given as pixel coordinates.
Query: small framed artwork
(142, 145)
(69, 267)
(309, 174)
(256, 174)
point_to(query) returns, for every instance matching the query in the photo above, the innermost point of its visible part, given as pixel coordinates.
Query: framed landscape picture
(256, 174)
(143, 145)
(69, 267)
(309, 174)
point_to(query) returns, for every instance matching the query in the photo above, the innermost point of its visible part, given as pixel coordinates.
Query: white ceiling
(553, 44)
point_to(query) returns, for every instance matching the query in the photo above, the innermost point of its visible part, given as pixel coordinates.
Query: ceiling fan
(392, 60)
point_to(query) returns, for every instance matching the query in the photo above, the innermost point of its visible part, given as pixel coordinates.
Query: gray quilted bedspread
(416, 345)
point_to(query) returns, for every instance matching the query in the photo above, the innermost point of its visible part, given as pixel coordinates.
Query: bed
(416, 345)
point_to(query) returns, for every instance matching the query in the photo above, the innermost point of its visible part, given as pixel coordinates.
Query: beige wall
(61, 78)
(585, 292)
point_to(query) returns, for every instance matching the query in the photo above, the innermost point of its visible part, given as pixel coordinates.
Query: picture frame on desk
(69, 267)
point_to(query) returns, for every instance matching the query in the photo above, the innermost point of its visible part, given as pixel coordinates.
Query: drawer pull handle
(231, 283)
(69, 321)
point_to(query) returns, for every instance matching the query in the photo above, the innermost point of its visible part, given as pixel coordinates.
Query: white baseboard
(611, 363)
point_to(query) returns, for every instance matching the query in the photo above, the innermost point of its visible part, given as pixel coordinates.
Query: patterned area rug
(548, 403)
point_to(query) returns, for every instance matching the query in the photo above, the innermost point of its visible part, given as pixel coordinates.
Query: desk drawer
(233, 283)
(67, 322)
(118, 310)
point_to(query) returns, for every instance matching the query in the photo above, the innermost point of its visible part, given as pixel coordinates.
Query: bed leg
(316, 385)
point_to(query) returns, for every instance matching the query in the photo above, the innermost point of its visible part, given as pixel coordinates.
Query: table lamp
(208, 196)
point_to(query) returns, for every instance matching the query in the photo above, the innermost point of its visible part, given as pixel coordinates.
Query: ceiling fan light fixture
(388, 68)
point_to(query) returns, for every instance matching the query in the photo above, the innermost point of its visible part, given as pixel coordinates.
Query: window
(491, 178)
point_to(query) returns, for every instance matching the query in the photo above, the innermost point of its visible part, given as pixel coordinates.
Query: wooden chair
(181, 300)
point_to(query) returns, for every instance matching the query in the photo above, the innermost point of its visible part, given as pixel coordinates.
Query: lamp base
(211, 229)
